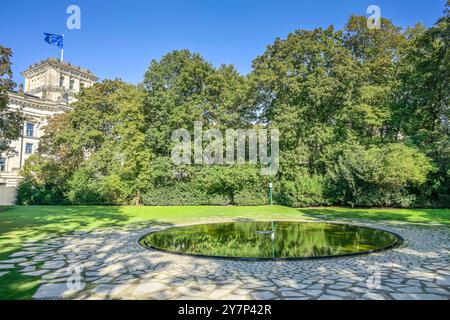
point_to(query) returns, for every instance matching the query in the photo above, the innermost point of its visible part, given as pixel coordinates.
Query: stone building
(50, 86)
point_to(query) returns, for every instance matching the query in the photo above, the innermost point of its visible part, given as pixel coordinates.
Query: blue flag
(54, 39)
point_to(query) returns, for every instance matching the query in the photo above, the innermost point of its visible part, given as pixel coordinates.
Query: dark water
(256, 240)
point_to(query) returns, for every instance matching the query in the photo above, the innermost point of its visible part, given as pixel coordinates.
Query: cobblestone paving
(114, 266)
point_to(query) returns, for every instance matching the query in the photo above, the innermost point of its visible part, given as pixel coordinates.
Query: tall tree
(10, 121)
(424, 112)
(182, 88)
(377, 53)
(176, 96)
(302, 86)
(96, 153)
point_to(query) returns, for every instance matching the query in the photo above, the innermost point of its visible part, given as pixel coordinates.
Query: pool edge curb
(400, 241)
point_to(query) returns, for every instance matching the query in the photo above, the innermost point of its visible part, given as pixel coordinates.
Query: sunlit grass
(15, 286)
(19, 223)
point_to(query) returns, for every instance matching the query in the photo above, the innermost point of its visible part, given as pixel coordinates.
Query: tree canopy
(10, 121)
(363, 117)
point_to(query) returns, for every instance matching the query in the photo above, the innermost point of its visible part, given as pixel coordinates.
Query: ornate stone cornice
(63, 66)
(25, 100)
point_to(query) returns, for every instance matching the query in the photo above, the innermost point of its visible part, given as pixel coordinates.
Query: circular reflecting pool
(270, 240)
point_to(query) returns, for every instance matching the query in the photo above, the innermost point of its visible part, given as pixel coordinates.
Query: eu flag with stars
(54, 39)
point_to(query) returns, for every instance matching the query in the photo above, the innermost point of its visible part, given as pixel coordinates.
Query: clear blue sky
(118, 38)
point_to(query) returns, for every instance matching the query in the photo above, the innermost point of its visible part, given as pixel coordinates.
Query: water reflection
(270, 239)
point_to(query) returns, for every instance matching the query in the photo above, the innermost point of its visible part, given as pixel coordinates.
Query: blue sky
(119, 38)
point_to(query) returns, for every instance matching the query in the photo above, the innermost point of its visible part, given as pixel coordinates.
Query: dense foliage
(10, 121)
(363, 116)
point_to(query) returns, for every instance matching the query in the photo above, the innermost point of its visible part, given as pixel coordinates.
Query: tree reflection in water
(289, 240)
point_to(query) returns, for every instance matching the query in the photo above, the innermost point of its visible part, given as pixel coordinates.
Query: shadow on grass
(18, 224)
(45, 222)
(15, 285)
(37, 223)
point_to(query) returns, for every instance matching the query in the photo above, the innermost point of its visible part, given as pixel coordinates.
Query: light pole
(272, 236)
(270, 180)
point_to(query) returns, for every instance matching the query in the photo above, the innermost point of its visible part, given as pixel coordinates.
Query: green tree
(182, 88)
(377, 53)
(302, 86)
(10, 121)
(363, 116)
(423, 113)
(97, 152)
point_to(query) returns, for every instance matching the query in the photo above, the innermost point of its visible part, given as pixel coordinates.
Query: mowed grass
(19, 223)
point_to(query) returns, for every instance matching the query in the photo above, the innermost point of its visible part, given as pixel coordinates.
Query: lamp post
(270, 180)
(272, 236)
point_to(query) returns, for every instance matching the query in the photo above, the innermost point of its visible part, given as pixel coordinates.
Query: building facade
(50, 87)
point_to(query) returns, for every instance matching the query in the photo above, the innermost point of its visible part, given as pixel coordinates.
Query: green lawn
(18, 223)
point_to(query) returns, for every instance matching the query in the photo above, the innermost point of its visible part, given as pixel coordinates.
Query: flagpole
(62, 51)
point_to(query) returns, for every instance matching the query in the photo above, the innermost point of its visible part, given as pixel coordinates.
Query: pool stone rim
(400, 241)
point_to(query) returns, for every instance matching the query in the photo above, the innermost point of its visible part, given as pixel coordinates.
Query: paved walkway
(114, 266)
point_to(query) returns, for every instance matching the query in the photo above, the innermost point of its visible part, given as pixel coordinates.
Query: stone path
(109, 264)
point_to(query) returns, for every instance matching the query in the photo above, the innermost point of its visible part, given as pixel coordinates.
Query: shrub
(42, 183)
(85, 188)
(181, 194)
(303, 190)
(379, 176)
